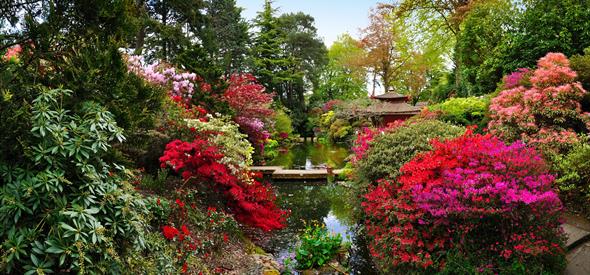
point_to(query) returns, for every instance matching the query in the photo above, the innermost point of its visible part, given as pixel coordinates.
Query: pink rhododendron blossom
(547, 112)
(514, 79)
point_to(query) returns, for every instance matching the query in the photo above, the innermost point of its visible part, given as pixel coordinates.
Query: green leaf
(67, 227)
(35, 260)
(92, 211)
(54, 249)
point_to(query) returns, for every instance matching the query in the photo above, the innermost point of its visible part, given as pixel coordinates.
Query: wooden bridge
(279, 173)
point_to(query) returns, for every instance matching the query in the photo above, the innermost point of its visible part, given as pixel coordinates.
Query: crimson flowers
(252, 202)
(474, 194)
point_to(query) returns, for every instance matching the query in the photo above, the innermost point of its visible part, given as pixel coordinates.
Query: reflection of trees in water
(317, 152)
(339, 197)
(307, 203)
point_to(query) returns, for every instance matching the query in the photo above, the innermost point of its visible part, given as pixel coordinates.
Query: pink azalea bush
(547, 113)
(474, 198)
(244, 96)
(516, 79)
(179, 85)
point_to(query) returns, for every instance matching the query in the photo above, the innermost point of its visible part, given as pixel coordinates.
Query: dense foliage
(548, 112)
(462, 111)
(473, 198)
(389, 151)
(65, 209)
(317, 247)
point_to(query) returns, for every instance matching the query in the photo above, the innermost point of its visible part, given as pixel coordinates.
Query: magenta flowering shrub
(547, 113)
(485, 177)
(516, 79)
(489, 202)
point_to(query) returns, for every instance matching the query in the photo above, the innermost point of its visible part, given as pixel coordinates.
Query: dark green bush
(99, 74)
(388, 152)
(94, 73)
(581, 64)
(64, 209)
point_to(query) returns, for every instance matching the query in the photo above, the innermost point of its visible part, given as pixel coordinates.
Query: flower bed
(474, 196)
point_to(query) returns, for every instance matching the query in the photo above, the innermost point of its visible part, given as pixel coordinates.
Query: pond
(327, 204)
(307, 155)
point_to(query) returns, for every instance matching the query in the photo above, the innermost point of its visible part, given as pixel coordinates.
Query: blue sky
(332, 17)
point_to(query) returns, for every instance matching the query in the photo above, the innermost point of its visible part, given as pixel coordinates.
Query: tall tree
(172, 27)
(548, 26)
(379, 40)
(307, 55)
(344, 77)
(268, 57)
(287, 56)
(439, 16)
(480, 45)
(229, 33)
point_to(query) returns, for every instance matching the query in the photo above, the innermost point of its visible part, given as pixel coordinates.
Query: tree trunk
(374, 84)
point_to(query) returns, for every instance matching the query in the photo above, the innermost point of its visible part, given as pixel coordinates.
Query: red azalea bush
(252, 202)
(490, 203)
(548, 112)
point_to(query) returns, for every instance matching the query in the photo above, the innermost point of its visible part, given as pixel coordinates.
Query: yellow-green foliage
(326, 119)
(339, 130)
(463, 111)
(283, 123)
(234, 145)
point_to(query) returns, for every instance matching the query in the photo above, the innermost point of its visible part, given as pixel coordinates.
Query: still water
(308, 155)
(324, 203)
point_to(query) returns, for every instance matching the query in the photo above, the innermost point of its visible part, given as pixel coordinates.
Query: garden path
(578, 245)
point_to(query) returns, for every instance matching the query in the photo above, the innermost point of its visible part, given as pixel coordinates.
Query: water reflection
(324, 203)
(302, 155)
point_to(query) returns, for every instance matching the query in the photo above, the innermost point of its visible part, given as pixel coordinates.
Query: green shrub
(271, 149)
(463, 111)
(581, 64)
(388, 152)
(64, 209)
(317, 247)
(283, 123)
(339, 130)
(573, 181)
